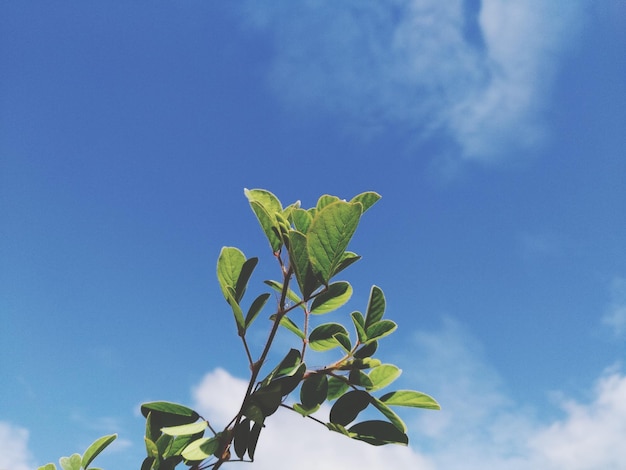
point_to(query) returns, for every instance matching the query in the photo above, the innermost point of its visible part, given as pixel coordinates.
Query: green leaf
(48, 466)
(151, 448)
(289, 382)
(359, 326)
(367, 350)
(241, 435)
(325, 200)
(164, 414)
(299, 259)
(95, 448)
(367, 199)
(389, 414)
(380, 329)
(278, 287)
(265, 206)
(337, 294)
(410, 398)
(179, 443)
(314, 390)
(229, 265)
(344, 342)
(347, 259)
(384, 375)
(185, 429)
(305, 411)
(375, 307)
(301, 220)
(348, 406)
(360, 378)
(340, 429)
(336, 388)
(237, 312)
(201, 449)
(254, 438)
(263, 403)
(163, 443)
(288, 323)
(323, 338)
(378, 433)
(244, 277)
(329, 235)
(147, 463)
(71, 463)
(256, 308)
(288, 366)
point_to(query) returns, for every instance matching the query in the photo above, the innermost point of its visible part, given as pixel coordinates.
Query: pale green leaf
(325, 200)
(367, 199)
(336, 387)
(384, 375)
(410, 398)
(71, 463)
(201, 449)
(289, 324)
(278, 287)
(301, 220)
(185, 429)
(229, 264)
(95, 448)
(266, 206)
(389, 414)
(48, 466)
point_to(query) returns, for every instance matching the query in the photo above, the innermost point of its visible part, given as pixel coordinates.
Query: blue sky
(493, 129)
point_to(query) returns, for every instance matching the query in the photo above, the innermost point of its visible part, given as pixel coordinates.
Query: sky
(494, 131)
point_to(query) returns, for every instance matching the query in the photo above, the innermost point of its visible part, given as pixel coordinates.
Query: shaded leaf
(378, 433)
(201, 449)
(344, 341)
(244, 277)
(389, 414)
(375, 307)
(360, 378)
(237, 312)
(314, 390)
(347, 259)
(329, 235)
(164, 414)
(255, 308)
(348, 406)
(410, 398)
(163, 443)
(366, 350)
(241, 435)
(254, 438)
(359, 326)
(263, 403)
(95, 448)
(384, 375)
(323, 338)
(337, 294)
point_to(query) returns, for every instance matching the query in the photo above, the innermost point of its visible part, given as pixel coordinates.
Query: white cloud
(423, 65)
(479, 426)
(14, 453)
(615, 317)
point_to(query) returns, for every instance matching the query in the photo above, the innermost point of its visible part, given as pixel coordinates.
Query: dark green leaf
(367, 350)
(201, 449)
(367, 199)
(263, 403)
(314, 390)
(147, 463)
(329, 235)
(380, 329)
(348, 406)
(288, 366)
(255, 308)
(241, 437)
(347, 259)
(384, 375)
(344, 342)
(410, 398)
(244, 277)
(164, 414)
(378, 433)
(375, 307)
(163, 443)
(359, 326)
(360, 378)
(289, 382)
(337, 294)
(254, 438)
(323, 338)
(95, 448)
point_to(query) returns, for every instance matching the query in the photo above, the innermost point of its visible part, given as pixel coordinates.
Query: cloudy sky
(494, 130)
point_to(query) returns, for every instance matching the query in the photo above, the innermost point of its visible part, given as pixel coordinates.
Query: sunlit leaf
(201, 449)
(348, 406)
(344, 342)
(375, 307)
(237, 312)
(323, 338)
(299, 258)
(229, 264)
(278, 287)
(185, 429)
(347, 259)
(360, 378)
(367, 199)
(288, 323)
(389, 414)
(325, 200)
(265, 206)
(359, 325)
(302, 410)
(336, 387)
(95, 448)
(380, 329)
(384, 375)
(163, 414)
(70, 463)
(378, 433)
(301, 220)
(48, 466)
(410, 398)
(337, 294)
(151, 448)
(329, 235)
